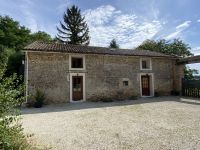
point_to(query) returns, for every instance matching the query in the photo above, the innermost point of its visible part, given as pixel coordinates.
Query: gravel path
(153, 123)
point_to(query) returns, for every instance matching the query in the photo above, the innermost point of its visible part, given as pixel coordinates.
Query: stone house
(68, 73)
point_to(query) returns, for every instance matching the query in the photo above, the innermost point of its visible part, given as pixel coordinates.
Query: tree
(179, 48)
(175, 47)
(188, 72)
(13, 38)
(11, 97)
(73, 29)
(12, 35)
(41, 36)
(113, 44)
(14, 64)
(3, 57)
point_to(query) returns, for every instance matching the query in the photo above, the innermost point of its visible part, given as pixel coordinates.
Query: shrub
(30, 103)
(134, 97)
(12, 137)
(106, 99)
(93, 100)
(39, 99)
(175, 93)
(156, 94)
(11, 97)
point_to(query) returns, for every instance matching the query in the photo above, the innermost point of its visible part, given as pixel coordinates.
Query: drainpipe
(26, 76)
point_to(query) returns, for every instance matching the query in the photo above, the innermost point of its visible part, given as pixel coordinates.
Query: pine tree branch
(74, 29)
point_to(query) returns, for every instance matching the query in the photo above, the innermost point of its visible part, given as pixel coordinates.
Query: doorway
(77, 87)
(146, 85)
(145, 79)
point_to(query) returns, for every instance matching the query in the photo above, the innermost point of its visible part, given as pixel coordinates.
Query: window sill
(77, 69)
(146, 69)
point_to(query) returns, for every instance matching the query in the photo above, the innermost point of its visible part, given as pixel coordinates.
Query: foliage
(175, 93)
(39, 99)
(133, 97)
(12, 35)
(15, 64)
(106, 99)
(11, 135)
(73, 29)
(3, 57)
(175, 47)
(156, 94)
(41, 36)
(113, 44)
(188, 73)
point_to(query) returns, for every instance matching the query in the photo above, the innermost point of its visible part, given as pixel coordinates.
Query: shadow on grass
(90, 105)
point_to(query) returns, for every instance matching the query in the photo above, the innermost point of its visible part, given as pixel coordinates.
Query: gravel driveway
(152, 123)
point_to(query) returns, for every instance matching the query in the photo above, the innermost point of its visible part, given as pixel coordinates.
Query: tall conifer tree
(73, 29)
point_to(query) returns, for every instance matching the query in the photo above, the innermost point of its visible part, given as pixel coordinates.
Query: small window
(77, 62)
(144, 64)
(125, 83)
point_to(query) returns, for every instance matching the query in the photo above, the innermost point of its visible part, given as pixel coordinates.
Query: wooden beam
(189, 60)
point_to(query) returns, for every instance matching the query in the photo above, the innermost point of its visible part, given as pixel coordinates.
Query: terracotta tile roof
(68, 48)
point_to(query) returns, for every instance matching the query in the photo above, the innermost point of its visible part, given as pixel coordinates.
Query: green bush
(156, 94)
(93, 100)
(175, 93)
(106, 99)
(12, 138)
(11, 97)
(11, 135)
(134, 97)
(39, 99)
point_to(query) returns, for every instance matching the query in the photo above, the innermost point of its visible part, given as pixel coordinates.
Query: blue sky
(130, 22)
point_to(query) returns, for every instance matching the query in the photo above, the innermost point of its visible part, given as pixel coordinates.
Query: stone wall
(178, 75)
(48, 72)
(104, 76)
(163, 75)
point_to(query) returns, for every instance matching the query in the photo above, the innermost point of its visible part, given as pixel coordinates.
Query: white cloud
(196, 50)
(195, 66)
(61, 8)
(106, 23)
(29, 17)
(101, 15)
(198, 20)
(184, 25)
(155, 12)
(179, 29)
(33, 20)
